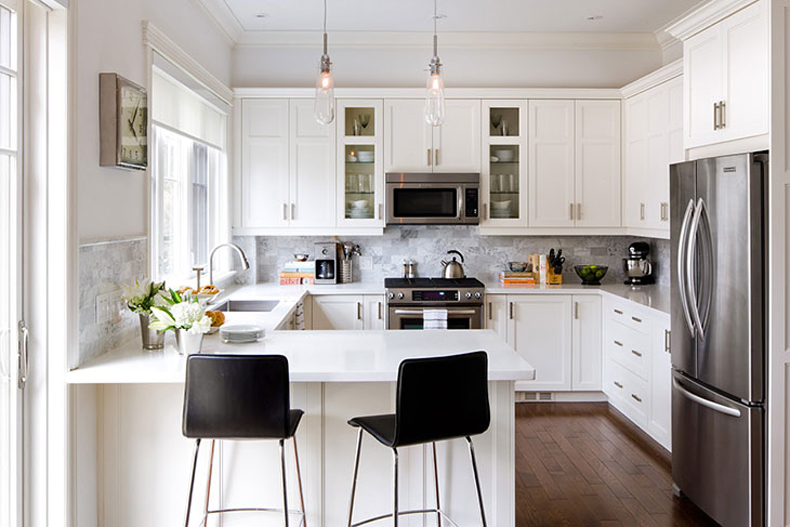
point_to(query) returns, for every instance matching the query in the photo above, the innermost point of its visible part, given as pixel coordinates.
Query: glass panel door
(504, 169)
(10, 226)
(360, 167)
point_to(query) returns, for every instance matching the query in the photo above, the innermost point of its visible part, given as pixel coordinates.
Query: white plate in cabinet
(538, 328)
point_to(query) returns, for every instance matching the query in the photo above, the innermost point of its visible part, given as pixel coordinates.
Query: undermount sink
(250, 306)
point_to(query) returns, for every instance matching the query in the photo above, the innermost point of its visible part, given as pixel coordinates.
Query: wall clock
(123, 116)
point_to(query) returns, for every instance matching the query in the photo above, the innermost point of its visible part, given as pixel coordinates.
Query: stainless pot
(453, 269)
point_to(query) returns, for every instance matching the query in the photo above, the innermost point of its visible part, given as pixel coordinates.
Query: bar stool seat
(240, 397)
(426, 413)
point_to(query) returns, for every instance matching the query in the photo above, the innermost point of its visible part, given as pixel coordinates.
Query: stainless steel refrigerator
(718, 277)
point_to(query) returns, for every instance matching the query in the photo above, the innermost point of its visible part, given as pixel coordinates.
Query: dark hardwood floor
(582, 464)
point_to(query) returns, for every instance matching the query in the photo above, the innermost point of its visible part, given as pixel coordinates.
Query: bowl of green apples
(591, 274)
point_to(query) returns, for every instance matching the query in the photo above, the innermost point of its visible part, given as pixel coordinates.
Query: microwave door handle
(460, 203)
(691, 261)
(682, 246)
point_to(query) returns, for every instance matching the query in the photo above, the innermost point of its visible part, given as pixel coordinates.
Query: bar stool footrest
(406, 513)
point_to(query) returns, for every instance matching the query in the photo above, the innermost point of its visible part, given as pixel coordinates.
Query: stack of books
(511, 278)
(298, 273)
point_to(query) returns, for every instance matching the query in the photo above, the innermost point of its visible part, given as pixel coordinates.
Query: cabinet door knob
(571, 211)
(485, 211)
(359, 310)
(642, 211)
(429, 157)
(636, 353)
(511, 311)
(436, 157)
(293, 211)
(636, 398)
(285, 212)
(668, 341)
(618, 385)
(723, 114)
(380, 316)
(578, 211)
(576, 310)
(490, 311)
(715, 116)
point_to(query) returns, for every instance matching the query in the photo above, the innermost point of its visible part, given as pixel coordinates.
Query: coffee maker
(638, 269)
(327, 262)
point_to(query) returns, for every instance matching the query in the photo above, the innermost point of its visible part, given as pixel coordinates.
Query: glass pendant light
(325, 86)
(434, 96)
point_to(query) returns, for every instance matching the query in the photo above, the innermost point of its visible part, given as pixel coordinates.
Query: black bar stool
(240, 397)
(425, 413)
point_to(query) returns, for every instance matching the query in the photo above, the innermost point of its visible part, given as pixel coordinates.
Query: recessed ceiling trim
(455, 40)
(671, 71)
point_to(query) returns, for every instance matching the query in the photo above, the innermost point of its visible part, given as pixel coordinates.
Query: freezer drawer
(717, 453)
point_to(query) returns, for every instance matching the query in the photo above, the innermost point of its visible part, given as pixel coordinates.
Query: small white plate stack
(241, 334)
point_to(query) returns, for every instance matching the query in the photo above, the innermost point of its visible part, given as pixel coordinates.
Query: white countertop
(313, 356)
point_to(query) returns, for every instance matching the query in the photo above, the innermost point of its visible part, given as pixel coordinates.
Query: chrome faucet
(243, 257)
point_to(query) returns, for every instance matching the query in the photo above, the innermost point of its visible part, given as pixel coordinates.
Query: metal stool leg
(285, 484)
(299, 479)
(395, 487)
(436, 486)
(477, 481)
(208, 482)
(192, 483)
(354, 481)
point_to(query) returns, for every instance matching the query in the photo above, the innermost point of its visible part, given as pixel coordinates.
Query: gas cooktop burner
(431, 283)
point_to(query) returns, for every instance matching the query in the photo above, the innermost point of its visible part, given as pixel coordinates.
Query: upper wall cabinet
(287, 162)
(360, 166)
(574, 163)
(726, 79)
(412, 145)
(504, 176)
(653, 141)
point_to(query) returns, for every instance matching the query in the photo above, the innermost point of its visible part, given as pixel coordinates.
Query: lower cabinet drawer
(630, 348)
(627, 392)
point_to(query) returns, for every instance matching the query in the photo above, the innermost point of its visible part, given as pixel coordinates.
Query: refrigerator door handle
(681, 270)
(726, 410)
(690, 266)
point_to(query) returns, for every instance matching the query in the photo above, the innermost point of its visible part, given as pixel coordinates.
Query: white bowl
(365, 157)
(505, 156)
(360, 204)
(351, 159)
(500, 205)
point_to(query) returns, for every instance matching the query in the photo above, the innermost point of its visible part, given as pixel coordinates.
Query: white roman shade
(189, 110)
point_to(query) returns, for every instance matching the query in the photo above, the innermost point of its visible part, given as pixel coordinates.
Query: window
(190, 213)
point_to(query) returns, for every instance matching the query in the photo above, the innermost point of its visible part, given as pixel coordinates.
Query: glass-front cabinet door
(504, 178)
(360, 163)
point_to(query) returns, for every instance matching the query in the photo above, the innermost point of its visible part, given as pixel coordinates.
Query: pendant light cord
(435, 16)
(324, 16)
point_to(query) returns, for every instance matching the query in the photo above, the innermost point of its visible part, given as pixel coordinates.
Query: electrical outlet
(108, 307)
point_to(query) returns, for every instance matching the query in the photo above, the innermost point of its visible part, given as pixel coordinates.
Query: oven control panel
(435, 296)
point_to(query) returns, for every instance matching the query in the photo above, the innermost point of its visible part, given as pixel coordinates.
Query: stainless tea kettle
(453, 269)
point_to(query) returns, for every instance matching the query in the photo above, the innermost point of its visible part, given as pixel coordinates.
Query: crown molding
(222, 16)
(704, 16)
(651, 80)
(162, 44)
(453, 40)
(419, 93)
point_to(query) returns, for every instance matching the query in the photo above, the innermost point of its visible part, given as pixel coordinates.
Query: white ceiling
(461, 15)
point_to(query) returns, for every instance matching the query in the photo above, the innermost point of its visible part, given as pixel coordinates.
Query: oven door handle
(422, 312)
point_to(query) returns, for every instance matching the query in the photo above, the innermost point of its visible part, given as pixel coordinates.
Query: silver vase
(152, 339)
(187, 343)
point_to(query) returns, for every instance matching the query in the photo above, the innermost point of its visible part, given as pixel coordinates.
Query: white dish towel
(434, 319)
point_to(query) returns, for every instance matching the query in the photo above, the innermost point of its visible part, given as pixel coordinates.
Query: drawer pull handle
(617, 342)
(618, 385)
(490, 311)
(618, 311)
(635, 398)
(638, 320)
(636, 353)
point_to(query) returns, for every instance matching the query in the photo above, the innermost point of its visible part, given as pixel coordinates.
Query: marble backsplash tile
(104, 267)
(485, 256)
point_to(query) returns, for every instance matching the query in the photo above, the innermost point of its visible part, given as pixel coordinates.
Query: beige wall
(106, 36)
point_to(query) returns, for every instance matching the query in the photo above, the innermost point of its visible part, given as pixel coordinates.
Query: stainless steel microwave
(433, 199)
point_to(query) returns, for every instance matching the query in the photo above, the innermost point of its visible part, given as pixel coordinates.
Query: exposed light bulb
(434, 95)
(324, 111)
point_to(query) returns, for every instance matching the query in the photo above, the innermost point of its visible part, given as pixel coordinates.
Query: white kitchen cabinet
(374, 312)
(312, 180)
(264, 185)
(287, 166)
(412, 145)
(727, 79)
(360, 182)
(598, 159)
(340, 312)
(654, 140)
(348, 312)
(503, 181)
(551, 163)
(497, 314)
(587, 356)
(539, 330)
(574, 163)
(659, 425)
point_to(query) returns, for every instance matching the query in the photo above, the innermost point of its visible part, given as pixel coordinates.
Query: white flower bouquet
(182, 312)
(140, 297)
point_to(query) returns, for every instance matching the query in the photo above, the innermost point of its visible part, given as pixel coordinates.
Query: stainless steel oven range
(407, 298)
